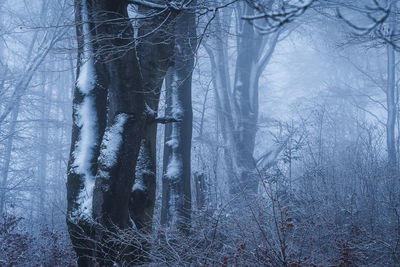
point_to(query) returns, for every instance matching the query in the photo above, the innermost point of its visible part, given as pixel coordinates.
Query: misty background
(328, 176)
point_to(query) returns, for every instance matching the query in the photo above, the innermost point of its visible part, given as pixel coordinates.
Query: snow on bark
(83, 154)
(174, 168)
(112, 141)
(87, 76)
(173, 143)
(87, 73)
(177, 111)
(87, 121)
(143, 167)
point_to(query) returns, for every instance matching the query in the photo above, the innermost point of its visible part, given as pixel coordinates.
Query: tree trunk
(110, 119)
(154, 52)
(7, 158)
(177, 200)
(245, 91)
(89, 122)
(222, 86)
(43, 147)
(238, 104)
(391, 102)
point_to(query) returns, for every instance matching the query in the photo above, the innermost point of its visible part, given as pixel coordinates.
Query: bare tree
(176, 186)
(110, 117)
(238, 103)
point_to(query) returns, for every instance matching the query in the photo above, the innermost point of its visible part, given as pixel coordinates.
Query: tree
(110, 118)
(391, 93)
(39, 47)
(155, 50)
(382, 29)
(237, 104)
(176, 184)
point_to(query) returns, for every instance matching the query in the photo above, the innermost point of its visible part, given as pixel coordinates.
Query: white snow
(138, 185)
(174, 167)
(86, 197)
(87, 76)
(83, 153)
(86, 120)
(177, 111)
(112, 140)
(143, 166)
(239, 83)
(173, 143)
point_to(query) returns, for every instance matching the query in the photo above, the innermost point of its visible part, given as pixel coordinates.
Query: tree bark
(105, 145)
(90, 99)
(154, 52)
(176, 185)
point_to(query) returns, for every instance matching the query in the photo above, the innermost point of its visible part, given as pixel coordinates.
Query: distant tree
(237, 103)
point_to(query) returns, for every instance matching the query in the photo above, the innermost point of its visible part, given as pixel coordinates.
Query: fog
(199, 133)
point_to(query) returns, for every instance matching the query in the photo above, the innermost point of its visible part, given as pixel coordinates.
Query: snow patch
(87, 77)
(239, 83)
(87, 74)
(86, 120)
(174, 168)
(143, 167)
(87, 196)
(112, 141)
(138, 185)
(173, 143)
(176, 108)
(83, 153)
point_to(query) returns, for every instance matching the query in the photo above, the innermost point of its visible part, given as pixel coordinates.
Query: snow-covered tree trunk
(89, 122)
(110, 118)
(176, 185)
(154, 51)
